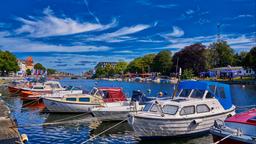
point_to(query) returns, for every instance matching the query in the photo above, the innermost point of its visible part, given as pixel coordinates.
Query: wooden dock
(9, 134)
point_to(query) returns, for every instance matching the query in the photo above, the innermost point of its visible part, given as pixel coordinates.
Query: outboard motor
(140, 97)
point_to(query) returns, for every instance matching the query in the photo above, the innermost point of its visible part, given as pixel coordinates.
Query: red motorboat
(238, 129)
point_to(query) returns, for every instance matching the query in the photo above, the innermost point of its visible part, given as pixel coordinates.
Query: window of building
(202, 108)
(170, 109)
(187, 110)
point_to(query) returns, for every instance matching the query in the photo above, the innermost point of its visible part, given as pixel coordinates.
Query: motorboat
(54, 94)
(116, 106)
(238, 129)
(193, 109)
(79, 103)
(42, 88)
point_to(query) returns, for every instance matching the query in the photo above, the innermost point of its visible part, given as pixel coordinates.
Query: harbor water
(42, 127)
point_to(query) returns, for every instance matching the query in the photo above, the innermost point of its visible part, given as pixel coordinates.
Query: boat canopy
(112, 94)
(219, 90)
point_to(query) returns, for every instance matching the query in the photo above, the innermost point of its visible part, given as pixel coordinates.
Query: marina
(44, 127)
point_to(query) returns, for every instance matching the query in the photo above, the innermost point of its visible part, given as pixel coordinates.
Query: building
(104, 64)
(24, 65)
(231, 72)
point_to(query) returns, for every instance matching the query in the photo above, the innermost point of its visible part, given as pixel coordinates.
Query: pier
(9, 133)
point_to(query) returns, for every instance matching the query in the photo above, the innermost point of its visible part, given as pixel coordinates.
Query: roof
(228, 68)
(248, 117)
(215, 88)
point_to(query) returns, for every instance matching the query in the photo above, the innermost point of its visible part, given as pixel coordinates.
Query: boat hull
(14, 90)
(66, 107)
(219, 136)
(151, 127)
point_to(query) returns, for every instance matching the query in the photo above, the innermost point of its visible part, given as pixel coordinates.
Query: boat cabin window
(202, 108)
(212, 88)
(197, 93)
(187, 110)
(38, 87)
(55, 86)
(209, 95)
(70, 99)
(154, 108)
(93, 91)
(170, 109)
(147, 107)
(84, 99)
(184, 92)
(221, 92)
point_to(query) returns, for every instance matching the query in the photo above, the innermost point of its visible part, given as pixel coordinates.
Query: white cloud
(15, 44)
(120, 35)
(235, 41)
(177, 32)
(123, 52)
(189, 12)
(50, 25)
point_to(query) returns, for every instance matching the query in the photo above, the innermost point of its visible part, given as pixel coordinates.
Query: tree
(221, 54)
(8, 63)
(100, 72)
(120, 67)
(192, 57)
(162, 62)
(39, 66)
(51, 71)
(136, 66)
(239, 58)
(28, 72)
(187, 74)
(250, 59)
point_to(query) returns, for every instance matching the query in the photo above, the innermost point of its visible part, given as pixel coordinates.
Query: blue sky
(73, 35)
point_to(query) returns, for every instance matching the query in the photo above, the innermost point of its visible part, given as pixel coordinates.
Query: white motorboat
(193, 110)
(83, 102)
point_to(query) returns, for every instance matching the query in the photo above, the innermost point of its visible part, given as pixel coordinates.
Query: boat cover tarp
(219, 90)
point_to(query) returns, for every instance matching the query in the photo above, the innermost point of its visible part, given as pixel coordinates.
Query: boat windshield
(147, 107)
(197, 93)
(93, 91)
(170, 109)
(184, 92)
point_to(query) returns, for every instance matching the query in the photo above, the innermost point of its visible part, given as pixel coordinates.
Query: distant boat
(238, 129)
(197, 105)
(41, 88)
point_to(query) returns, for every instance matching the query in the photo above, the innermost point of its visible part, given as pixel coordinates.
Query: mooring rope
(60, 121)
(104, 131)
(224, 138)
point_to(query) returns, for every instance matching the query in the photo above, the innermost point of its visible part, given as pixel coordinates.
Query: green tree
(51, 71)
(192, 57)
(250, 59)
(120, 67)
(100, 72)
(39, 66)
(8, 63)
(136, 66)
(239, 58)
(28, 72)
(187, 74)
(221, 54)
(163, 62)
(147, 61)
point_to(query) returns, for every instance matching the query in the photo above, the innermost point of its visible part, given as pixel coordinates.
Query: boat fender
(197, 121)
(131, 119)
(229, 115)
(24, 138)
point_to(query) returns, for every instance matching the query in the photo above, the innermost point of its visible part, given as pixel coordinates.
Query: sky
(74, 35)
